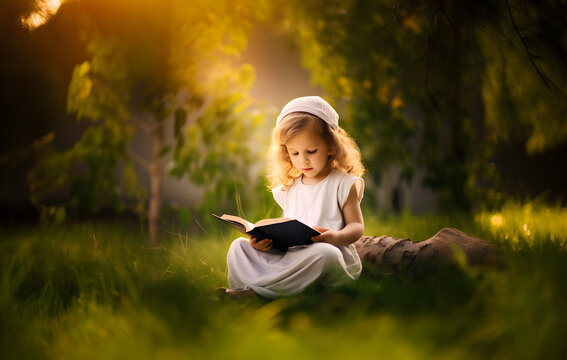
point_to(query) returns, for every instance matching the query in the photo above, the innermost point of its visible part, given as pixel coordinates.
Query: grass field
(95, 291)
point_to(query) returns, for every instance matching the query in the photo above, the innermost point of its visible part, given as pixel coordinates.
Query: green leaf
(130, 179)
(166, 149)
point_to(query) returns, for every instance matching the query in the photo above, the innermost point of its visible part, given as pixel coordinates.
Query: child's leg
(320, 262)
(246, 265)
(276, 274)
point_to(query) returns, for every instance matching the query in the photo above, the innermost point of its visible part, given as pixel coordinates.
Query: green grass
(95, 291)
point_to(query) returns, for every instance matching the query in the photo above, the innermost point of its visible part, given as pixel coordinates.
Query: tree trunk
(156, 176)
(438, 252)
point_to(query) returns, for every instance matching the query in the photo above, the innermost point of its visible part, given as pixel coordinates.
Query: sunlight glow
(45, 10)
(497, 220)
(526, 230)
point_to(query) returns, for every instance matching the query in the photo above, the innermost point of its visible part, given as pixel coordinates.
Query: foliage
(417, 76)
(524, 84)
(88, 170)
(94, 291)
(150, 64)
(218, 149)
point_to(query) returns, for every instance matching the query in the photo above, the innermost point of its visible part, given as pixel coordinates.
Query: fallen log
(437, 252)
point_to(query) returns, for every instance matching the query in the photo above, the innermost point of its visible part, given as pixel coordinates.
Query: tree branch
(139, 160)
(144, 126)
(531, 56)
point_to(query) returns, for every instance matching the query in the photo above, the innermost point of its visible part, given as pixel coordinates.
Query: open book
(284, 232)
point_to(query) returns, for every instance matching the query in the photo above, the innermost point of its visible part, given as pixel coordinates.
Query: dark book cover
(283, 232)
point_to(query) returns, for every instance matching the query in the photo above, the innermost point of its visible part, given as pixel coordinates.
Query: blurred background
(162, 110)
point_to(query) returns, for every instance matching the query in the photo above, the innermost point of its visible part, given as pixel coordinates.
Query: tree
(151, 62)
(471, 69)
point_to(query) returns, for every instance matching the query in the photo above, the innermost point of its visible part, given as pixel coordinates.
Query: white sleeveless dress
(275, 274)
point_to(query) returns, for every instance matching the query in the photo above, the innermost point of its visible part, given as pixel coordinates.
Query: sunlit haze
(45, 9)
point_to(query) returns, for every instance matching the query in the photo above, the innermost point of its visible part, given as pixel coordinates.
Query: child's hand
(327, 235)
(262, 245)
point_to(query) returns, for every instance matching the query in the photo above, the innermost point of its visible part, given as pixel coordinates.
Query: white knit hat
(313, 105)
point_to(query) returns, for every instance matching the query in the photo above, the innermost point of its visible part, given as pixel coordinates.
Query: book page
(271, 221)
(235, 219)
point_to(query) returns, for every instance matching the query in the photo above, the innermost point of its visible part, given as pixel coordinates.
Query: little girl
(315, 171)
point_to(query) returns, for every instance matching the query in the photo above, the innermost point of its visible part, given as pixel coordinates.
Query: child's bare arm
(354, 227)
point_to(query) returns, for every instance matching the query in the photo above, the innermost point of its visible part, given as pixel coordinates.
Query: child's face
(309, 154)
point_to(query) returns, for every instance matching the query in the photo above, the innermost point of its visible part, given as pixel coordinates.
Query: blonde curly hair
(344, 153)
